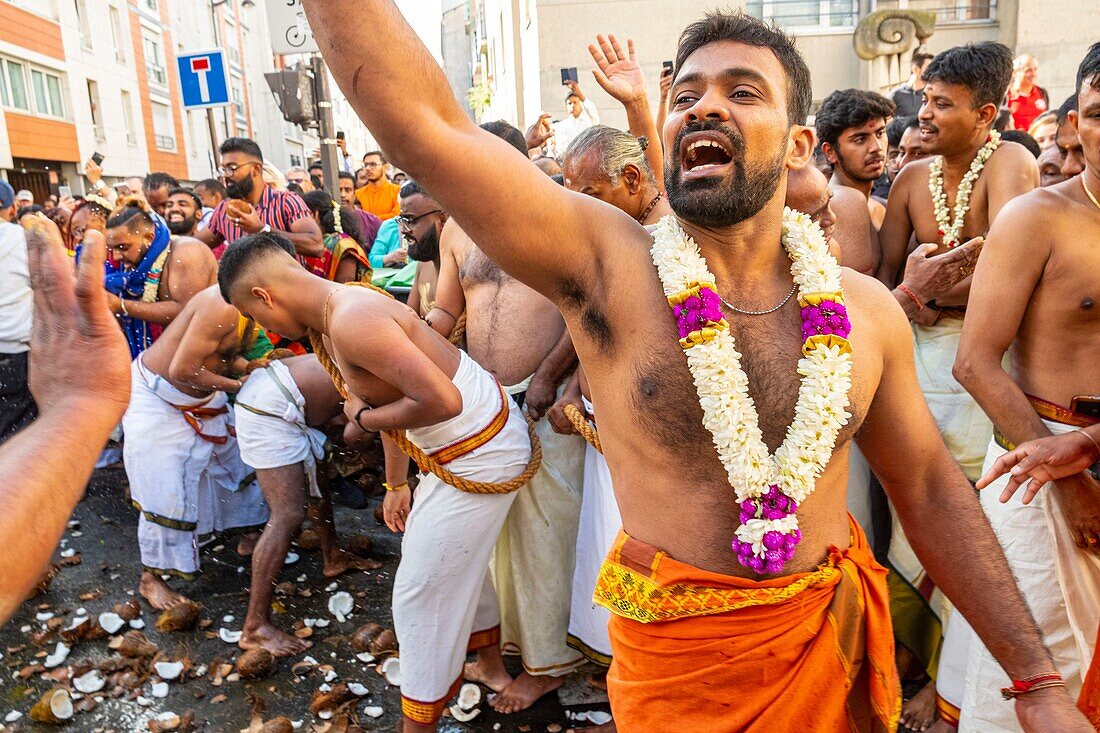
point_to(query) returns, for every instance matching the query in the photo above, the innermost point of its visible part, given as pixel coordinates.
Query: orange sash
(454, 451)
(702, 651)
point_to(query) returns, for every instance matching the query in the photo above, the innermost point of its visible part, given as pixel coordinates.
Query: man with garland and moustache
(764, 636)
(1035, 283)
(946, 199)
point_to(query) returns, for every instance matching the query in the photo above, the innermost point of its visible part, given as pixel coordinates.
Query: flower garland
(768, 487)
(949, 230)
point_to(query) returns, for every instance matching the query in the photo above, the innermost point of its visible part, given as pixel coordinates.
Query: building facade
(518, 47)
(79, 77)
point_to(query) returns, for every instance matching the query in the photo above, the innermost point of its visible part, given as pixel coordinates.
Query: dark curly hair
(848, 108)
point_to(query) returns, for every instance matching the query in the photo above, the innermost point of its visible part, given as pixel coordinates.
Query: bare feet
(342, 561)
(279, 643)
(524, 691)
(488, 670)
(919, 713)
(159, 595)
(247, 544)
(599, 681)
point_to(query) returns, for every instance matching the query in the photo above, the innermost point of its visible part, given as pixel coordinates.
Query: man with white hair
(611, 165)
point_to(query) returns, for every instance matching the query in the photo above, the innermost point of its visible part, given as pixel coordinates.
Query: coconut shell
(50, 704)
(384, 643)
(255, 664)
(90, 630)
(360, 545)
(129, 610)
(44, 580)
(133, 644)
(179, 618)
(238, 207)
(278, 725)
(332, 699)
(308, 539)
(364, 636)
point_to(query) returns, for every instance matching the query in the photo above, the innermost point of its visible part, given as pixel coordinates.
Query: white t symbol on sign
(200, 67)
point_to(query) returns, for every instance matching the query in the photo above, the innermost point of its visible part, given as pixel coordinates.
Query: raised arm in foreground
(538, 232)
(71, 325)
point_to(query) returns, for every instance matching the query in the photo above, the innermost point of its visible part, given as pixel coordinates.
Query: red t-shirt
(1025, 108)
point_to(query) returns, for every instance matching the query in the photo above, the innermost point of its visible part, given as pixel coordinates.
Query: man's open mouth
(705, 153)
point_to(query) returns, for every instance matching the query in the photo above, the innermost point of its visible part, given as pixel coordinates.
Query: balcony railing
(949, 11)
(164, 142)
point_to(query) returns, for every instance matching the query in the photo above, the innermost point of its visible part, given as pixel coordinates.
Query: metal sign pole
(329, 155)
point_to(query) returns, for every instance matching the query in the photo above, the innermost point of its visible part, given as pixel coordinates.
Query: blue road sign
(204, 79)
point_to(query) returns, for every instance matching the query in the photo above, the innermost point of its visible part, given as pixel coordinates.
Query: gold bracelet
(399, 487)
(1090, 439)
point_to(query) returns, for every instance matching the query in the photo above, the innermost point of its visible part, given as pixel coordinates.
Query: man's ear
(261, 295)
(632, 175)
(987, 114)
(800, 147)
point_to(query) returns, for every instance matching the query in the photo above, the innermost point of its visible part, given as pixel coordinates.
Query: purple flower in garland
(827, 318)
(697, 311)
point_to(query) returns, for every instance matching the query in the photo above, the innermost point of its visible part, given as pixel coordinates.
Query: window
(150, 5)
(93, 105)
(153, 63)
(82, 22)
(806, 14)
(163, 131)
(47, 94)
(17, 84)
(117, 38)
(128, 118)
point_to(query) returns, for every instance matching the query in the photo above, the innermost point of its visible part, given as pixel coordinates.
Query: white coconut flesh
(61, 705)
(89, 682)
(168, 670)
(341, 605)
(464, 716)
(469, 697)
(391, 671)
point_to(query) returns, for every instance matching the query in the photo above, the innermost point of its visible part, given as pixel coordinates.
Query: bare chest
(922, 211)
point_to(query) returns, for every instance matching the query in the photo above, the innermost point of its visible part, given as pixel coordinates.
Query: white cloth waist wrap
(1060, 583)
(271, 424)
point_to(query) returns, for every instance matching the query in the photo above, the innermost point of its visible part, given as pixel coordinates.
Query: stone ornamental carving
(889, 32)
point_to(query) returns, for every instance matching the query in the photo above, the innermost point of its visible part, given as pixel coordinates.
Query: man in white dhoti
(399, 375)
(278, 413)
(186, 474)
(963, 88)
(1034, 297)
(519, 336)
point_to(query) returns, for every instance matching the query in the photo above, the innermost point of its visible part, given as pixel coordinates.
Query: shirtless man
(744, 87)
(611, 165)
(278, 415)
(1067, 142)
(963, 87)
(182, 461)
(400, 375)
(519, 336)
(1034, 296)
(421, 222)
(851, 126)
(159, 274)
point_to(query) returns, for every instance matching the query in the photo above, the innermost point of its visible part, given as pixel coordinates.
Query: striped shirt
(278, 209)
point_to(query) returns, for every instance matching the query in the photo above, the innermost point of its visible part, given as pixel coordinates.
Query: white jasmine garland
(950, 229)
(729, 413)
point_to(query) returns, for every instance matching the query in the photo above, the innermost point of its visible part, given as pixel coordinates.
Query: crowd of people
(571, 502)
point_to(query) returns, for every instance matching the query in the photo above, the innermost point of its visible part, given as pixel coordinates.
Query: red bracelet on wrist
(912, 296)
(1032, 684)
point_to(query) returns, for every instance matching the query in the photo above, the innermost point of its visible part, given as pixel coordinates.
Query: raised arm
(620, 76)
(538, 232)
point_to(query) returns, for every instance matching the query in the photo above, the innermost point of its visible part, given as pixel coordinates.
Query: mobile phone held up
(666, 66)
(570, 75)
(97, 158)
(64, 192)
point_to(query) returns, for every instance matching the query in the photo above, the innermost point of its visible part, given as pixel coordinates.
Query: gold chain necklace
(1088, 192)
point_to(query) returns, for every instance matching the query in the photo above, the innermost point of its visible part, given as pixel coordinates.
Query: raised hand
(617, 72)
(74, 325)
(539, 132)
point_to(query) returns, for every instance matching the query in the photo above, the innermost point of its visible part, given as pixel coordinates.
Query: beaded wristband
(399, 487)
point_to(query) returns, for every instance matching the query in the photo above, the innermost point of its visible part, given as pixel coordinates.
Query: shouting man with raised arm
(1035, 284)
(731, 611)
(400, 375)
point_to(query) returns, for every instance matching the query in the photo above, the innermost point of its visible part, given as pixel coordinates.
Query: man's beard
(182, 227)
(240, 189)
(426, 247)
(715, 203)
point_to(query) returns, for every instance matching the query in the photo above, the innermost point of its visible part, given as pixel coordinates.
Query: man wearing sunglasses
(420, 225)
(269, 210)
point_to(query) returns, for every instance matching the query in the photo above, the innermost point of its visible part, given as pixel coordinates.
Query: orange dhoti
(701, 651)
